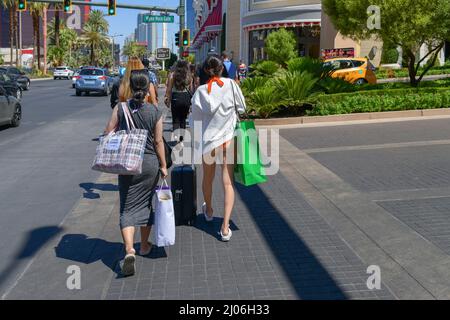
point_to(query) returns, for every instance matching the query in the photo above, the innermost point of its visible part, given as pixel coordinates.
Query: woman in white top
(214, 115)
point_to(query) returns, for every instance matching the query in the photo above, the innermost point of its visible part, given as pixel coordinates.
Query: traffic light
(186, 38)
(185, 54)
(22, 5)
(177, 39)
(67, 5)
(111, 7)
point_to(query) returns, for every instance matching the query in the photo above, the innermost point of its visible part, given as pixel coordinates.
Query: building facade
(146, 33)
(242, 26)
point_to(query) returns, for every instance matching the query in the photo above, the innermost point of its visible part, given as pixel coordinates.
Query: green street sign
(158, 19)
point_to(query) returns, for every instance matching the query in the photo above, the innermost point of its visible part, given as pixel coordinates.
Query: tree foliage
(406, 23)
(281, 46)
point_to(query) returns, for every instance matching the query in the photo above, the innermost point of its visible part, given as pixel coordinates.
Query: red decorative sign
(338, 53)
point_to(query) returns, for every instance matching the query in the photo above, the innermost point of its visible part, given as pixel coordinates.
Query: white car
(62, 72)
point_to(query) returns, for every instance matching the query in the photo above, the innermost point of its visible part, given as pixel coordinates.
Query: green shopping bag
(248, 169)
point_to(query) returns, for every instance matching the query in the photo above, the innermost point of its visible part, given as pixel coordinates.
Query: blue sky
(125, 21)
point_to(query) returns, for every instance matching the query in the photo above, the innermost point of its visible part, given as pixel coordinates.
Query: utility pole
(20, 37)
(182, 14)
(44, 28)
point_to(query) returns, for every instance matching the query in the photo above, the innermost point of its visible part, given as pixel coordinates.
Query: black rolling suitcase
(184, 191)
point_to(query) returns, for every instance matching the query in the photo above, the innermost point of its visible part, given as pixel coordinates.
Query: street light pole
(112, 49)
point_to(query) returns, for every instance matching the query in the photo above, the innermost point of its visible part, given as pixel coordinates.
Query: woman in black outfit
(136, 191)
(178, 96)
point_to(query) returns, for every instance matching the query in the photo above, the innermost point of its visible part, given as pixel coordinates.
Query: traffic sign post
(163, 54)
(148, 18)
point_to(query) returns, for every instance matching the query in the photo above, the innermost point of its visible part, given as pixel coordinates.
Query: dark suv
(17, 75)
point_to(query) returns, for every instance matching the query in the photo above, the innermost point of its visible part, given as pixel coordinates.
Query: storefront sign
(338, 53)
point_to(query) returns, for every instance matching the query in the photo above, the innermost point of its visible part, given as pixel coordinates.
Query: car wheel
(27, 86)
(15, 121)
(361, 82)
(54, 78)
(78, 93)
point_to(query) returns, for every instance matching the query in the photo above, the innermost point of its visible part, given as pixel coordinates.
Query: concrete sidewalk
(311, 232)
(282, 248)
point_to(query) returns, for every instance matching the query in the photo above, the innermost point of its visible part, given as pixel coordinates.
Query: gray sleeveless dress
(136, 192)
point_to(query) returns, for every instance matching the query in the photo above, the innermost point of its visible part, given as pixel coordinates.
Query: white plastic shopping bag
(164, 228)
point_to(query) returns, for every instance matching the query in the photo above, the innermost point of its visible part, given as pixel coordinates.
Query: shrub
(281, 46)
(296, 89)
(265, 68)
(389, 56)
(313, 66)
(265, 101)
(336, 85)
(249, 85)
(382, 100)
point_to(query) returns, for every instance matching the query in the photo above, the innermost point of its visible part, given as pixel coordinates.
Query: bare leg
(145, 234)
(128, 239)
(228, 186)
(209, 171)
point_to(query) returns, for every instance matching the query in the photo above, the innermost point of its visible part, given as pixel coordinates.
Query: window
(357, 63)
(91, 72)
(14, 71)
(345, 64)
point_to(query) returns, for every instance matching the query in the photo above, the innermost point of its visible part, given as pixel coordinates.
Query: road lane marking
(379, 146)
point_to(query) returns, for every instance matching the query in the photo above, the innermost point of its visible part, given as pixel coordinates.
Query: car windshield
(61, 68)
(91, 72)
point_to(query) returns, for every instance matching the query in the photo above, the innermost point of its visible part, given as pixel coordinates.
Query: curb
(40, 79)
(354, 117)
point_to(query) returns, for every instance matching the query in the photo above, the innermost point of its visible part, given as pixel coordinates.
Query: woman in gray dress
(136, 191)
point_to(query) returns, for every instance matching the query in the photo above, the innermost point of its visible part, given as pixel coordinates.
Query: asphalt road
(44, 169)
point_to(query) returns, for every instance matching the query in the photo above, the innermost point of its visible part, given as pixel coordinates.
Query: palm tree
(36, 10)
(133, 49)
(11, 5)
(95, 33)
(57, 24)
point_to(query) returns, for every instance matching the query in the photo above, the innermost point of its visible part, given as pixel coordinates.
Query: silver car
(10, 109)
(93, 80)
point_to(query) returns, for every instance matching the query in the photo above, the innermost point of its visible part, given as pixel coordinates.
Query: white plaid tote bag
(122, 152)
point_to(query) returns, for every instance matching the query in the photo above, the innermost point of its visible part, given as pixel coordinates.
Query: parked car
(18, 76)
(62, 73)
(11, 86)
(354, 70)
(93, 80)
(10, 109)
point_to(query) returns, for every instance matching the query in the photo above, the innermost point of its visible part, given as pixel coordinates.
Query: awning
(211, 28)
(282, 24)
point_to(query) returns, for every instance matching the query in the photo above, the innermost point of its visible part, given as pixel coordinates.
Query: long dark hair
(139, 84)
(213, 67)
(182, 75)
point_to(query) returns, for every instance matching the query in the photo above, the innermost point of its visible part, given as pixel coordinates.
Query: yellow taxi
(354, 70)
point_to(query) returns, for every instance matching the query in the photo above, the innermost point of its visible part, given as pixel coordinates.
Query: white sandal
(227, 237)
(207, 217)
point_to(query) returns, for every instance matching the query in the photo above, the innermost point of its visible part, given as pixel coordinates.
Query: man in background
(230, 70)
(151, 75)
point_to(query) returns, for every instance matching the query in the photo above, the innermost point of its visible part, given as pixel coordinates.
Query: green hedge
(382, 100)
(403, 73)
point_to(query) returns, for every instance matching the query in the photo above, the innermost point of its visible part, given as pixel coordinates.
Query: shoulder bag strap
(127, 115)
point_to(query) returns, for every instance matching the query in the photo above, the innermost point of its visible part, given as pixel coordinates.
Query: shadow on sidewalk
(34, 241)
(80, 248)
(89, 187)
(289, 249)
